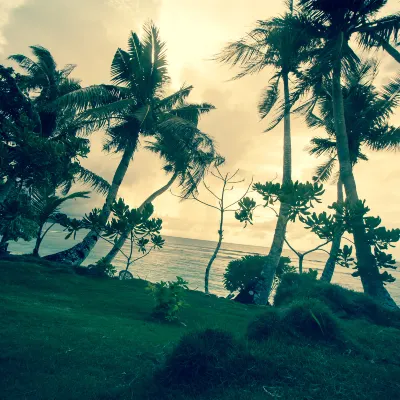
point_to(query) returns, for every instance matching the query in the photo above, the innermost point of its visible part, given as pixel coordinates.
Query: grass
(65, 336)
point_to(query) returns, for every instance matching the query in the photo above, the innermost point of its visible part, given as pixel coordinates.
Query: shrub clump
(204, 360)
(242, 275)
(346, 303)
(310, 319)
(265, 325)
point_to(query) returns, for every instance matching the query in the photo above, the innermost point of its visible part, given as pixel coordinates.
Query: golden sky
(87, 33)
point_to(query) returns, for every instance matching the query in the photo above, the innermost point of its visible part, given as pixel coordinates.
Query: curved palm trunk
(264, 286)
(337, 238)
(77, 254)
(214, 256)
(122, 239)
(368, 270)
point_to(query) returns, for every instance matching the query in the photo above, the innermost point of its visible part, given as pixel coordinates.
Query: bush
(169, 298)
(265, 325)
(344, 302)
(204, 360)
(243, 274)
(311, 319)
(99, 270)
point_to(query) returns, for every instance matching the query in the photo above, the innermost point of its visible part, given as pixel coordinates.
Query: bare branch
(208, 188)
(291, 248)
(195, 198)
(237, 201)
(220, 177)
(229, 178)
(344, 237)
(316, 248)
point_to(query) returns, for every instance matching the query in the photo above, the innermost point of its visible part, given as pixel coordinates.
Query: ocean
(188, 258)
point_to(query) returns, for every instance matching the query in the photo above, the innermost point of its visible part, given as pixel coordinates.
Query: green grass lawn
(64, 336)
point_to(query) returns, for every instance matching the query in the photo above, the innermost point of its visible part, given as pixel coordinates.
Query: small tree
(228, 182)
(144, 231)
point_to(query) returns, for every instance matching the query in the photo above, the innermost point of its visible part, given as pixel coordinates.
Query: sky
(87, 33)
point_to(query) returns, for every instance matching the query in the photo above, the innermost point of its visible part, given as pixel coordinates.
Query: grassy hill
(65, 336)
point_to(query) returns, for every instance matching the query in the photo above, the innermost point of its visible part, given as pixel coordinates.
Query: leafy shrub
(99, 270)
(169, 298)
(265, 325)
(206, 359)
(311, 319)
(344, 302)
(242, 274)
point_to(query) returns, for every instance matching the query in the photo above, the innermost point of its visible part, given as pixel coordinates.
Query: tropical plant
(367, 111)
(186, 158)
(133, 105)
(336, 23)
(242, 274)
(46, 208)
(273, 43)
(169, 298)
(228, 181)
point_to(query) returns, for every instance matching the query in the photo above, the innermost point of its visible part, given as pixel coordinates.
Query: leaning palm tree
(186, 159)
(133, 105)
(336, 23)
(273, 43)
(368, 109)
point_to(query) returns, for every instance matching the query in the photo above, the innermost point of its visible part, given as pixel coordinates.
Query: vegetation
(127, 353)
(243, 274)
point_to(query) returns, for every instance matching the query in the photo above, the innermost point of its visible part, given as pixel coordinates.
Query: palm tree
(133, 105)
(277, 44)
(186, 158)
(46, 208)
(42, 84)
(335, 23)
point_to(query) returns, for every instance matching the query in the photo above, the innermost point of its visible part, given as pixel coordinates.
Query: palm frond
(269, 98)
(320, 146)
(372, 33)
(121, 69)
(26, 63)
(324, 171)
(177, 97)
(95, 181)
(192, 112)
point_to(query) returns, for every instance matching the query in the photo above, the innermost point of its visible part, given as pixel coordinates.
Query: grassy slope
(70, 337)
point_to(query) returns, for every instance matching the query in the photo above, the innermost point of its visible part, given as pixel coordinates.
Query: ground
(65, 336)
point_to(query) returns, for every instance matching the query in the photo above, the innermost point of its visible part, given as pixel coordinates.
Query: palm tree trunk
(337, 238)
(39, 239)
(368, 270)
(264, 286)
(77, 254)
(122, 239)
(214, 256)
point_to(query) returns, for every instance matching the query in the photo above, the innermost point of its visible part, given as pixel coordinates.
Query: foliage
(312, 319)
(144, 232)
(169, 298)
(17, 220)
(106, 269)
(379, 238)
(298, 196)
(241, 273)
(345, 303)
(204, 360)
(265, 325)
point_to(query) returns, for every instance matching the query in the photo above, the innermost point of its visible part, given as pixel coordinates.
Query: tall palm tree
(273, 43)
(186, 159)
(368, 110)
(336, 23)
(133, 105)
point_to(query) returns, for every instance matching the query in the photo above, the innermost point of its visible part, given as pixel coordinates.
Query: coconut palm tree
(133, 105)
(336, 23)
(41, 84)
(186, 159)
(368, 109)
(274, 43)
